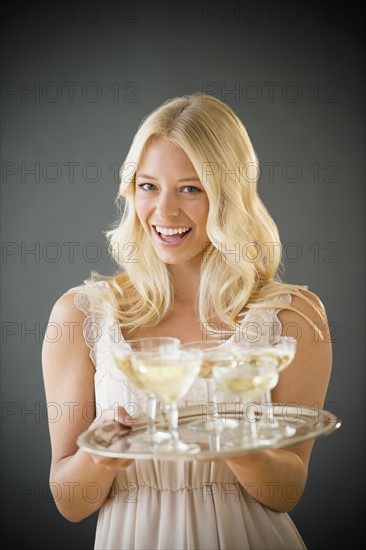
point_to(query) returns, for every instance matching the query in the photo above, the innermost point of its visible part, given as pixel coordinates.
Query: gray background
(297, 74)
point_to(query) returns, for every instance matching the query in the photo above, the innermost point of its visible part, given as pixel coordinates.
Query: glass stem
(268, 417)
(151, 413)
(249, 423)
(252, 422)
(214, 442)
(172, 411)
(211, 398)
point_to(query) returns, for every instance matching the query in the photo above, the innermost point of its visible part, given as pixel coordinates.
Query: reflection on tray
(115, 440)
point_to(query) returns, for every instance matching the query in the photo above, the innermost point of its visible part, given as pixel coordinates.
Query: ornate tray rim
(324, 423)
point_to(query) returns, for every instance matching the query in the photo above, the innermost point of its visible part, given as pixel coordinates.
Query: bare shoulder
(308, 296)
(308, 316)
(65, 309)
(64, 336)
(307, 322)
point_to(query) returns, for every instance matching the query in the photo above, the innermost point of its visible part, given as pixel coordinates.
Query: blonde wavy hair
(219, 148)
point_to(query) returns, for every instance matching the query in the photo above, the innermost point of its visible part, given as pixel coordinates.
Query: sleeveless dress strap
(94, 325)
(261, 325)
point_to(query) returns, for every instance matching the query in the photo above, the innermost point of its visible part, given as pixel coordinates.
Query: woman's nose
(167, 205)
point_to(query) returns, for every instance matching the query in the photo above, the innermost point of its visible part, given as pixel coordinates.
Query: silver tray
(305, 423)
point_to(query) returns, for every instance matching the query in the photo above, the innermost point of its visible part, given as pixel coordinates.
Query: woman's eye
(146, 186)
(191, 190)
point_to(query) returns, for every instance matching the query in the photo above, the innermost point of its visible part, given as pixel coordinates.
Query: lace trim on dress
(262, 325)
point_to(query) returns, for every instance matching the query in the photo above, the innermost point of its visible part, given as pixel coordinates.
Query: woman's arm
(76, 477)
(277, 478)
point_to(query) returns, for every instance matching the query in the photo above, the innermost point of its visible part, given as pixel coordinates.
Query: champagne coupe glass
(282, 352)
(214, 353)
(169, 375)
(248, 381)
(122, 353)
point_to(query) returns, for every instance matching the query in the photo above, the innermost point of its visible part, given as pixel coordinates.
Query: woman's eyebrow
(191, 178)
(145, 176)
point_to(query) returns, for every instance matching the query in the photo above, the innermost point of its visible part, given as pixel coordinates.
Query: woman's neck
(186, 280)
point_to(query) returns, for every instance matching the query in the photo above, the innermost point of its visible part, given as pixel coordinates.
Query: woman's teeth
(171, 231)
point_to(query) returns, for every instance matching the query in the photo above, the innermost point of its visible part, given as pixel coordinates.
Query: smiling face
(171, 203)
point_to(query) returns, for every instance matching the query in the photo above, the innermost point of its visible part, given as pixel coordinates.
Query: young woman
(198, 253)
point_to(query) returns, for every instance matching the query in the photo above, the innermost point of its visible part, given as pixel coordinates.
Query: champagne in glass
(214, 353)
(282, 352)
(247, 381)
(122, 353)
(169, 376)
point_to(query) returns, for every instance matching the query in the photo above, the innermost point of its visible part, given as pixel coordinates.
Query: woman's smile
(171, 236)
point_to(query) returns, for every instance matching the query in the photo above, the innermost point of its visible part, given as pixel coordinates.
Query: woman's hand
(117, 422)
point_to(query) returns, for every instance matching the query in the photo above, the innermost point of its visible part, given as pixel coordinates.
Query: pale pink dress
(177, 505)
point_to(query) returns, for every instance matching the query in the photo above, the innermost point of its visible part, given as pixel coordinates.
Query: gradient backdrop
(77, 79)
